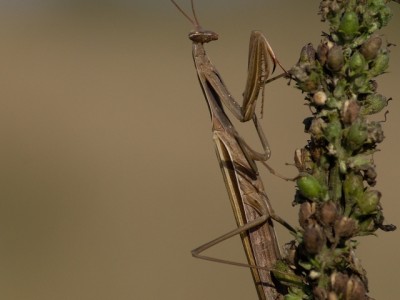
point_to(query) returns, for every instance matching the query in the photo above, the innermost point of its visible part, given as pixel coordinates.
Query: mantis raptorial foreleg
(260, 57)
(250, 204)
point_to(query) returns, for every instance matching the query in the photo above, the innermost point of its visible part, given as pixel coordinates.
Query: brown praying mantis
(251, 207)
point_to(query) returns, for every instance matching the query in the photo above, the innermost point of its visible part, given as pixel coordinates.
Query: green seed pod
(359, 162)
(335, 59)
(311, 84)
(313, 239)
(379, 12)
(307, 55)
(368, 204)
(356, 135)
(366, 227)
(349, 25)
(357, 63)
(373, 26)
(371, 47)
(299, 73)
(333, 103)
(310, 188)
(340, 89)
(373, 104)
(361, 83)
(381, 63)
(333, 131)
(353, 187)
(385, 14)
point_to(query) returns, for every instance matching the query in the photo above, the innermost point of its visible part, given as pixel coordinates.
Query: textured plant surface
(337, 172)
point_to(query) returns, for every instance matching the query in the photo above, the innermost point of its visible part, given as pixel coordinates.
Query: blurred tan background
(108, 175)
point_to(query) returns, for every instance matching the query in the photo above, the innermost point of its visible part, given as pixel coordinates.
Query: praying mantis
(251, 207)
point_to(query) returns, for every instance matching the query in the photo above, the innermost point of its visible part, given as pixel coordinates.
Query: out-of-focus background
(108, 176)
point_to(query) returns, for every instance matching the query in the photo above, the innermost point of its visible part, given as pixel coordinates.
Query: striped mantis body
(249, 201)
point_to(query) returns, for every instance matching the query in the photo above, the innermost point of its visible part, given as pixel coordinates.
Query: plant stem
(337, 170)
